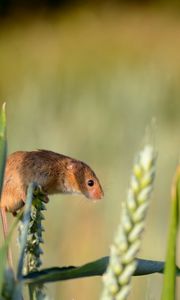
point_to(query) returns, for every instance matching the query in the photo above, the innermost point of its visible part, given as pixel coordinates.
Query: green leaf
(3, 150)
(3, 251)
(3, 144)
(95, 268)
(169, 285)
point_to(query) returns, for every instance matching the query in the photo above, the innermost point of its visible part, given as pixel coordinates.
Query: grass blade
(169, 285)
(3, 251)
(3, 151)
(3, 144)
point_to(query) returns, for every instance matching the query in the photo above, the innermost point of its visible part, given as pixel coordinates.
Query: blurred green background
(86, 81)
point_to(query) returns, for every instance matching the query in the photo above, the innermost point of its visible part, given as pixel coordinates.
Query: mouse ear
(72, 165)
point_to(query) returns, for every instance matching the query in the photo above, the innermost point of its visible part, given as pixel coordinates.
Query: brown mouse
(55, 173)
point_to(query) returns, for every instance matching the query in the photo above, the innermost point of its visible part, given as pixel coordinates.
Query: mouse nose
(96, 194)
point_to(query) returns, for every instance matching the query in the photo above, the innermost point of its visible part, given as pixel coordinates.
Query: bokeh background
(86, 79)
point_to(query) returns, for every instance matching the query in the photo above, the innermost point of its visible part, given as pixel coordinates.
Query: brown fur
(55, 173)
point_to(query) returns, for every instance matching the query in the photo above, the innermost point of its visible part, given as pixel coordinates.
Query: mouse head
(82, 179)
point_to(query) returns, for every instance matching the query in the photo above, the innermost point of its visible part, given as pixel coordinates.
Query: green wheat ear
(123, 251)
(33, 251)
(169, 289)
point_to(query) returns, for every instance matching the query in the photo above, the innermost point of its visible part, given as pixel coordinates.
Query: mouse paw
(45, 198)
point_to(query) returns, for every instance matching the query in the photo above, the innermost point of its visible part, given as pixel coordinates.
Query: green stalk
(169, 285)
(24, 234)
(3, 144)
(3, 151)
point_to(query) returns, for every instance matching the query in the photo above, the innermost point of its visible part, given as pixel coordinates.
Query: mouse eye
(90, 182)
